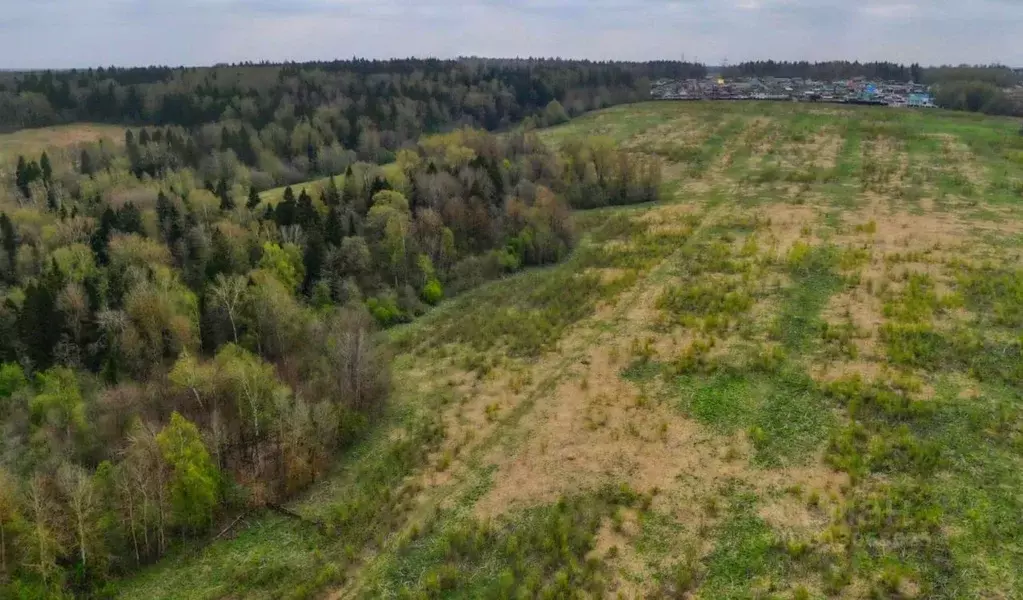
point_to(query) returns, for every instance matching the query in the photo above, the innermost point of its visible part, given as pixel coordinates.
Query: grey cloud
(64, 33)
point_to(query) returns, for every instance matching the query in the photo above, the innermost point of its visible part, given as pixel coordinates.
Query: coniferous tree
(220, 256)
(85, 163)
(334, 228)
(129, 219)
(51, 200)
(224, 193)
(21, 176)
(253, 200)
(349, 194)
(9, 237)
(332, 195)
(306, 215)
(313, 261)
(285, 213)
(40, 322)
(46, 168)
(380, 184)
(100, 240)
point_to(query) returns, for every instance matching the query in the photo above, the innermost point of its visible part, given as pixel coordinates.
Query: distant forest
(378, 105)
(399, 99)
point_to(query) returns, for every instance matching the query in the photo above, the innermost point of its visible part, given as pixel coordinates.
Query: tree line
(399, 99)
(175, 346)
(827, 71)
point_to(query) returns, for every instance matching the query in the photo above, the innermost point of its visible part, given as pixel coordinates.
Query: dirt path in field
(526, 432)
(569, 422)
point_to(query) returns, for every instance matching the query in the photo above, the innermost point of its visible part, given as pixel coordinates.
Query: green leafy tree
(162, 321)
(190, 374)
(273, 321)
(390, 217)
(58, 408)
(554, 113)
(12, 379)
(284, 263)
(193, 477)
(253, 385)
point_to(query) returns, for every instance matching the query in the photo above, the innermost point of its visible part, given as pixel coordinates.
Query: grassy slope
(314, 186)
(798, 376)
(32, 142)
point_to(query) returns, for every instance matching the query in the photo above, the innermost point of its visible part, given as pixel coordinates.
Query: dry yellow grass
(32, 142)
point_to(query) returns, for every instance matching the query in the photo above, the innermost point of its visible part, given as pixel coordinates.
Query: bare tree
(129, 499)
(40, 505)
(355, 368)
(147, 471)
(77, 487)
(228, 293)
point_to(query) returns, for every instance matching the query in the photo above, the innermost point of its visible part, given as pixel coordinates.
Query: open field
(799, 376)
(32, 142)
(315, 186)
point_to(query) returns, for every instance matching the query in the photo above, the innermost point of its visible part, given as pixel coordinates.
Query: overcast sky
(78, 33)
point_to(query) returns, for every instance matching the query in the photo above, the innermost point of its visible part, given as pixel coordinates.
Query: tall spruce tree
(253, 200)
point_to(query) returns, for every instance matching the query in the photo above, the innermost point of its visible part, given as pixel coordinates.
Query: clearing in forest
(799, 376)
(30, 143)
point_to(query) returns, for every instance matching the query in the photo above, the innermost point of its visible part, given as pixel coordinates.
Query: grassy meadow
(32, 142)
(799, 376)
(316, 186)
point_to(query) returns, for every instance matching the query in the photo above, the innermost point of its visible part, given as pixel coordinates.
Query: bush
(386, 311)
(432, 293)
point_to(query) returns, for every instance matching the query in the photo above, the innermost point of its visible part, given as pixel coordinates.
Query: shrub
(432, 293)
(386, 311)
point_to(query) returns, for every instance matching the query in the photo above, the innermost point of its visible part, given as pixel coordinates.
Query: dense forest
(176, 348)
(988, 89)
(392, 101)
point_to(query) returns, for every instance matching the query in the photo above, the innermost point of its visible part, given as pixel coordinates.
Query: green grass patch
(786, 417)
(273, 557)
(642, 370)
(814, 281)
(538, 553)
(747, 555)
(995, 294)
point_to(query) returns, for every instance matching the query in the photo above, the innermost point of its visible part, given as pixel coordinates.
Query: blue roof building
(920, 100)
